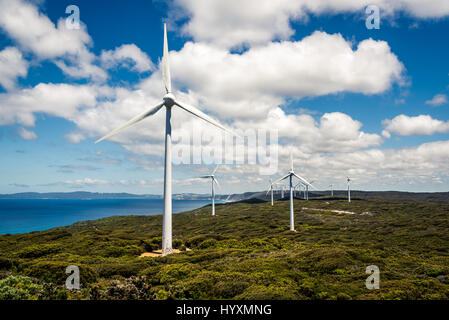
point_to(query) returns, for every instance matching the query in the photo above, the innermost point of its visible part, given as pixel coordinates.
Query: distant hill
(74, 195)
(338, 194)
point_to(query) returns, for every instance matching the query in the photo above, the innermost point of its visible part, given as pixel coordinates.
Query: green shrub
(343, 296)
(271, 292)
(36, 251)
(194, 242)
(5, 263)
(122, 269)
(327, 259)
(114, 252)
(434, 272)
(175, 272)
(134, 288)
(209, 243)
(228, 289)
(19, 288)
(54, 272)
(200, 287)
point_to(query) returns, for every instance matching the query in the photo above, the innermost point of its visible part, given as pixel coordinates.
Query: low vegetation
(245, 252)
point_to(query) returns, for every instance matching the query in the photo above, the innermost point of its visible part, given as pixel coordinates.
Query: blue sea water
(26, 215)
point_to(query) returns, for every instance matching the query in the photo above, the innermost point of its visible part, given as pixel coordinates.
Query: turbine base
(166, 252)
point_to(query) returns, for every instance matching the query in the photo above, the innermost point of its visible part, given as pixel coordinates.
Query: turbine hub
(169, 100)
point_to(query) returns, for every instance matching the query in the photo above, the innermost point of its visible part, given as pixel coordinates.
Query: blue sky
(387, 103)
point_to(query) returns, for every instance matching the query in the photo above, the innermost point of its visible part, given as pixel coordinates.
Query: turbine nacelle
(169, 100)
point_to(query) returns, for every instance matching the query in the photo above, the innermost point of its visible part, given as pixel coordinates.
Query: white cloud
(60, 100)
(250, 84)
(85, 182)
(234, 22)
(26, 134)
(35, 32)
(437, 100)
(75, 137)
(383, 169)
(335, 132)
(419, 125)
(129, 56)
(12, 66)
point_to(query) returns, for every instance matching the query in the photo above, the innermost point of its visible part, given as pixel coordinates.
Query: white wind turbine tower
(168, 101)
(270, 189)
(282, 191)
(306, 196)
(213, 180)
(349, 190)
(332, 189)
(295, 188)
(290, 175)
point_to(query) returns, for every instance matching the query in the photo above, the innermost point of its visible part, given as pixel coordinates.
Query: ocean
(27, 215)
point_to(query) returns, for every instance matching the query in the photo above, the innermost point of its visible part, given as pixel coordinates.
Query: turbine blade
(215, 170)
(216, 181)
(165, 64)
(134, 120)
(303, 180)
(204, 177)
(200, 114)
(283, 178)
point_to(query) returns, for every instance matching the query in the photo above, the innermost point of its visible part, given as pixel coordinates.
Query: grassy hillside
(245, 252)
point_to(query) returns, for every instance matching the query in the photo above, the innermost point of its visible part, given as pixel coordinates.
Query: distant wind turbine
(332, 189)
(270, 190)
(168, 102)
(295, 188)
(349, 190)
(290, 175)
(307, 190)
(213, 180)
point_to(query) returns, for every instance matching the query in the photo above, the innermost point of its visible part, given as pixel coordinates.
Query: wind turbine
(307, 190)
(168, 101)
(349, 190)
(213, 180)
(332, 189)
(290, 175)
(270, 189)
(299, 184)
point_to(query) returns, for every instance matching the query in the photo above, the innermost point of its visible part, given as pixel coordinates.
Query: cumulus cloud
(127, 55)
(233, 23)
(60, 100)
(250, 84)
(419, 125)
(384, 168)
(36, 33)
(334, 132)
(437, 100)
(75, 137)
(12, 66)
(27, 134)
